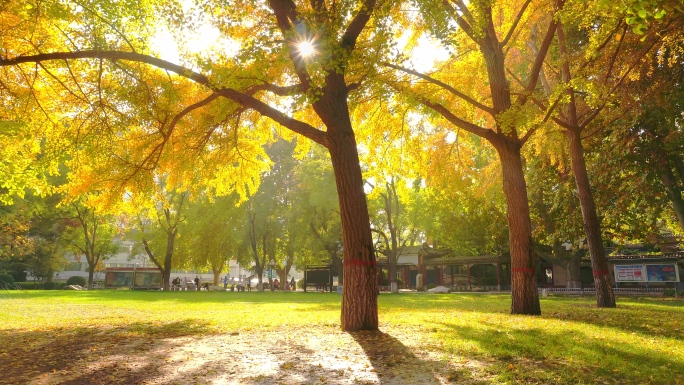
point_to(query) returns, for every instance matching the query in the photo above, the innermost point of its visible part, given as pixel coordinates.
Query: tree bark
(217, 276)
(166, 270)
(359, 295)
(91, 273)
(525, 298)
(573, 268)
(592, 225)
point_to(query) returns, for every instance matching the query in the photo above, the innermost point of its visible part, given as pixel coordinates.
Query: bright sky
(426, 53)
(204, 40)
(207, 38)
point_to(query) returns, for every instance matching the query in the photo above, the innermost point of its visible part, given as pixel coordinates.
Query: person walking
(197, 283)
(293, 284)
(225, 283)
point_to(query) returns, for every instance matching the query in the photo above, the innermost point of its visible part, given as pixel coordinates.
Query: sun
(306, 48)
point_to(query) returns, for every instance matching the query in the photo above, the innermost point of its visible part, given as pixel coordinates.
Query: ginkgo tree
(268, 66)
(473, 91)
(594, 61)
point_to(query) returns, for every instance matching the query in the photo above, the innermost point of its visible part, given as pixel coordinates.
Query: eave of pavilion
(453, 259)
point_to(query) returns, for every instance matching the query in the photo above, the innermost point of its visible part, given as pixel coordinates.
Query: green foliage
(49, 286)
(6, 279)
(76, 280)
(672, 293)
(640, 14)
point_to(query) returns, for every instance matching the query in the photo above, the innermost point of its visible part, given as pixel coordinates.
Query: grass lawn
(72, 337)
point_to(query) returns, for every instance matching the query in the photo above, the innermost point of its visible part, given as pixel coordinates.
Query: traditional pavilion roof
(453, 259)
(674, 256)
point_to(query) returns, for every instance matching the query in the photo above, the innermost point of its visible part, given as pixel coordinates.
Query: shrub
(382, 278)
(300, 284)
(29, 285)
(77, 280)
(400, 282)
(430, 286)
(49, 286)
(6, 279)
(19, 276)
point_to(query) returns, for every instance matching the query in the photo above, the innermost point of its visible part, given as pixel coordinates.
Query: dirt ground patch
(321, 356)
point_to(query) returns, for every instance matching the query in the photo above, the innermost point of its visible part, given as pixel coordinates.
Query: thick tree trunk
(359, 297)
(592, 225)
(525, 298)
(573, 268)
(217, 276)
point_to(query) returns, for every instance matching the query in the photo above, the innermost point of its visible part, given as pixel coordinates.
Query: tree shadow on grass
(88, 355)
(394, 362)
(647, 318)
(565, 356)
(190, 351)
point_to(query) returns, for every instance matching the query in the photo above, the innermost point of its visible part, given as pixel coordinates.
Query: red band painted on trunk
(358, 262)
(523, 270)
(599, 273)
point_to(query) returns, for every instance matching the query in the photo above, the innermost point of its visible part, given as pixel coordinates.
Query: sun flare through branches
(306, 48)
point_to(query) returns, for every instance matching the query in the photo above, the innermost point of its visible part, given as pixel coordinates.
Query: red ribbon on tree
(599, 273)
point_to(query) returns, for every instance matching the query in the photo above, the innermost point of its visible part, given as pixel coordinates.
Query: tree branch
(515, 23)
(445, 86)
(299, 127)
(464, 10)
(455, 120)
(286, 16)
(465, 26)
(275, 89)
(539, 60)
(357, 25)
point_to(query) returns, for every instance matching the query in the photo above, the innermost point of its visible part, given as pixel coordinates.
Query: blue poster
(662, 273)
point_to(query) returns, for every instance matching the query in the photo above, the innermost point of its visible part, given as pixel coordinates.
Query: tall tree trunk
(359, 296)
(573, 268)
(571, 261)
(91, 273)
(525, 298)
(592, 226)
(217, 276)
(260, 276)
(166, 271)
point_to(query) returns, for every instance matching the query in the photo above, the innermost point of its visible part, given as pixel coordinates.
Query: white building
(124, 258)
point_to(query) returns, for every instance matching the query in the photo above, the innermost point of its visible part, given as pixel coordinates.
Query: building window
(549, 276)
